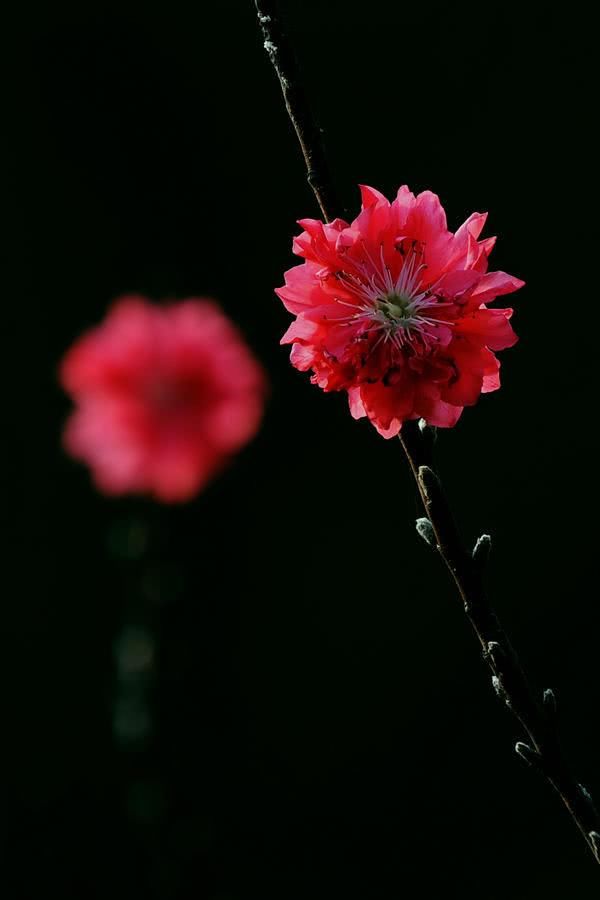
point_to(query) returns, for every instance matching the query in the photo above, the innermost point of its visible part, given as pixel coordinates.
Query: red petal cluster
(163, 395)
(393, 308)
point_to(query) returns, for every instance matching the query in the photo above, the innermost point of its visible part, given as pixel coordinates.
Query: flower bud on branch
(425, 530)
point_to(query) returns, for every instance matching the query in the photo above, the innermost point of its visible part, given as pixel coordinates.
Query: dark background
(321, 725)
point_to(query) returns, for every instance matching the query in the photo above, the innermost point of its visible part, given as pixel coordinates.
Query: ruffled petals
(393, 309)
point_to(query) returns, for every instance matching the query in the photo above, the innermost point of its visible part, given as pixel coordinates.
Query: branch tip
(307, 130)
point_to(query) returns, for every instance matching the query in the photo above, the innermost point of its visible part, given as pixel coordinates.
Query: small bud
(495, 652)
(527, 753)
(586, 794)
(595, 842)
(500, 690)
(429, 432)
(482, 549)
(425, 530)
(549, 701)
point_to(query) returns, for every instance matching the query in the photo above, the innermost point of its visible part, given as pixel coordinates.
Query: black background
(323, 725)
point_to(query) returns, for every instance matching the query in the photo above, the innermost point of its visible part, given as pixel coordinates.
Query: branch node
(595, 842)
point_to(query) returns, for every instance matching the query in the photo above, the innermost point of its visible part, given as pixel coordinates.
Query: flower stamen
(396, 308)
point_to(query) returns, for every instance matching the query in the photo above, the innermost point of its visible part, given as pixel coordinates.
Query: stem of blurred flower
(535, 713)
(133, 548)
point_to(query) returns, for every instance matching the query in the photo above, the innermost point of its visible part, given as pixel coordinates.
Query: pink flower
(394, 309)
(163, 395)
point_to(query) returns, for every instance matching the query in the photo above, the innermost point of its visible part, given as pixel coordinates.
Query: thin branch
(309, 135)
(535, 713)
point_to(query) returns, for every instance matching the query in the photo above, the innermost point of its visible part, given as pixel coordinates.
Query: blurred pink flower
(393, 309)
(164, 395)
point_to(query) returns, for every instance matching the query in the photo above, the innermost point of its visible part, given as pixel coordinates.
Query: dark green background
(323, 725)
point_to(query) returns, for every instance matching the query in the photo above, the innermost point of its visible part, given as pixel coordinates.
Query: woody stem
(536, 716)
(534, 712)
(307, 131)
